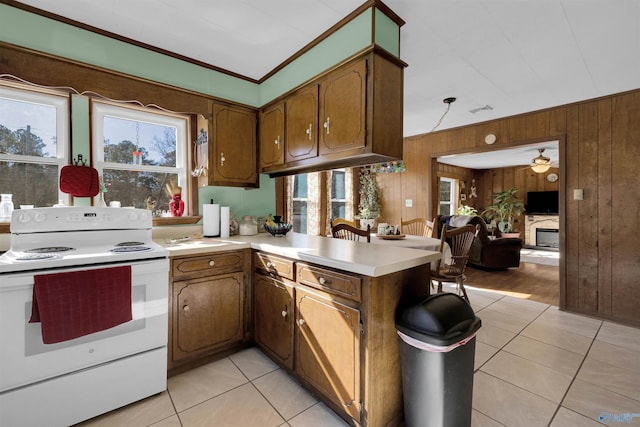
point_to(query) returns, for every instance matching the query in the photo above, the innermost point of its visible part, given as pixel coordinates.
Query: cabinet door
(207, 313)
(274, 318)
(302, 124)
(272, 136)
(343, 109)
(234, 144)
(327, 338)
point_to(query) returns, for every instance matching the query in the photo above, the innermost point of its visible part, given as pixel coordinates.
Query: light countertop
(369, 259)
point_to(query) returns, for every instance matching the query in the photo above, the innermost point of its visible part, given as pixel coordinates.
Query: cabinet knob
(222, 159)
(327, 124)
(270, 265)
(324, 281)
(212, 263)
(310, 130)
(301, 322)
(186, 308)
(284, 313)
(277, 141)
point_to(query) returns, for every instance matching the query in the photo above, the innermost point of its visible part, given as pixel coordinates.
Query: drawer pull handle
(324, 281)
(212, 263)
(271, 265)
(284, 313)
(301, 322)
(186, 309)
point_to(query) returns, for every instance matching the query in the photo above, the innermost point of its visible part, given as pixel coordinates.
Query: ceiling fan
(540, 164)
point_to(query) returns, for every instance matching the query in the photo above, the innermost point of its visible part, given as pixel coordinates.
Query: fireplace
(547, 237)
(549, 226)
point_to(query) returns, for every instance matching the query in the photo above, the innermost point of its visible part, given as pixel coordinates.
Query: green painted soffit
(42, 34)
(387, 34)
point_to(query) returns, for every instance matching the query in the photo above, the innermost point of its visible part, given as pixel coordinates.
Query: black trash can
(437, 346)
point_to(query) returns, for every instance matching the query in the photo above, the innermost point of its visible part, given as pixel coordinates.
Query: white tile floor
(535, 366)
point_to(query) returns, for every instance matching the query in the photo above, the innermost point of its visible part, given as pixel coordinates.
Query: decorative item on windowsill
(368, 208)
(103, 189)
(176, 205)
(395, 166)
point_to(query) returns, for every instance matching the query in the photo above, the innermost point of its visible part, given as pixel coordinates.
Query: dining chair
(417, 227)
(336, 221)
(459, 240)
(348, 232)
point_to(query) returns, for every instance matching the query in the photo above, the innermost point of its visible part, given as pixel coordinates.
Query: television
(542, 202)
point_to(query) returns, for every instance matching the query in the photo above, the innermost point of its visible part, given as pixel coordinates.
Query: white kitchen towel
(210, 220)
(224, 221)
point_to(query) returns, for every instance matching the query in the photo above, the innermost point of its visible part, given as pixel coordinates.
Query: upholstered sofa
(494, 254)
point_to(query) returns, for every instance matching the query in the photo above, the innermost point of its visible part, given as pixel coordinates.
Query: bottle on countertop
(6, 206)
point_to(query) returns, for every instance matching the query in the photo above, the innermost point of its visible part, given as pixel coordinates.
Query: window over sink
(138, 152)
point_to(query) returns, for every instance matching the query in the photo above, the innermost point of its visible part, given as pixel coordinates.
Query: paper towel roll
(224, 221)
(210, 220)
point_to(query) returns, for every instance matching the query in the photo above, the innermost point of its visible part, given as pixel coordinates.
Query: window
(338, 194)
(139, 153)
(299, 212)
(314, 198)
(448, 193)
(34, 136)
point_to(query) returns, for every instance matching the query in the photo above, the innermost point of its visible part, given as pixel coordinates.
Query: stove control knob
(133, 216)
(143, 216)
(24, 217)
(40, 217)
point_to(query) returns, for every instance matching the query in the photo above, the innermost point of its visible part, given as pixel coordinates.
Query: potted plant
(466, 210)
(506, 205)
(368, 208)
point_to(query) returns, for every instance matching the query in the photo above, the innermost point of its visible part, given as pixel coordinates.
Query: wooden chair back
(417, 227)
(459, 240)
(348, 232)
(336, 221)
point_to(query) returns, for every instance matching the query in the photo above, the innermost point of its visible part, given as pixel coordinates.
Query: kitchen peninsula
(323, 309)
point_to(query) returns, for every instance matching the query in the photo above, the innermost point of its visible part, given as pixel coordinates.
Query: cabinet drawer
(272, 264)
(337, 283)
(210, 264)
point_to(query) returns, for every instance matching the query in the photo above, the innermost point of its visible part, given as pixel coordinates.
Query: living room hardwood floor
(536, 282)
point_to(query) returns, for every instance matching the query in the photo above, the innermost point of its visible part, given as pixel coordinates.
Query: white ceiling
(500, 158)
(513, 55)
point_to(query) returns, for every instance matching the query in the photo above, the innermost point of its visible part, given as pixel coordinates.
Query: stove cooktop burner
(36, 257)
(49, 249)
(124, 249)
(130, 244)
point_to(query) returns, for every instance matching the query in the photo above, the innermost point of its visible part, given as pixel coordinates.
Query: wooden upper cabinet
(302, 124)
(343, 109)
(349, 116)
(232, 157)
(272, 136)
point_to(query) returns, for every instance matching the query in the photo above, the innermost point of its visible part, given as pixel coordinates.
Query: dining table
(413, 242)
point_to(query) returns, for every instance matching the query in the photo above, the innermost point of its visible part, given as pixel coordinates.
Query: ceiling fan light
(540, 168)
(541, 163)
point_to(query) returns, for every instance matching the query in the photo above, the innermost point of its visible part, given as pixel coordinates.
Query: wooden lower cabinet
(274, 317)
(327, 343)
(337, 330)
(209, 311)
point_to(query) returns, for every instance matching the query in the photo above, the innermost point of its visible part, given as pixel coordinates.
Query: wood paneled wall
(599, 153)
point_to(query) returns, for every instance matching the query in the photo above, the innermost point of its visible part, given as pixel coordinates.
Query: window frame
(61, 102)
(101, 109)
(453, 199)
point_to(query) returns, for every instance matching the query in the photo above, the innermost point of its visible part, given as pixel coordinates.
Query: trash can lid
(441, 319)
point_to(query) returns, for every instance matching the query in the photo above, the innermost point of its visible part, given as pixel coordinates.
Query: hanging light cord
(447, 101)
